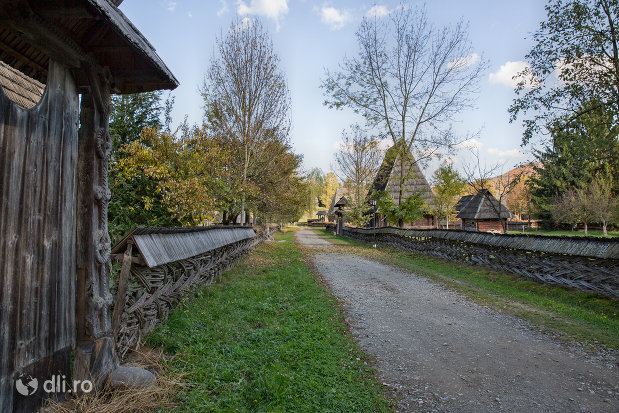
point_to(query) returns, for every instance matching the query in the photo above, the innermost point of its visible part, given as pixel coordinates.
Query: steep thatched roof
(21, 89)
(483, 206)
(341, 192)
(390, 171)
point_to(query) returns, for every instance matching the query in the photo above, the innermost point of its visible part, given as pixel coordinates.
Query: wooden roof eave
(47, 34)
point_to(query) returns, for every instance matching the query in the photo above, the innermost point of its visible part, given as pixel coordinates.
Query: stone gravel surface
(438, 352)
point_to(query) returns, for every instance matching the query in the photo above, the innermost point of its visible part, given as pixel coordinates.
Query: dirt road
(437, 351)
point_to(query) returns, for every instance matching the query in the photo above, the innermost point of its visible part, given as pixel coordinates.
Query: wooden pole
(95, 353)
(121, 291)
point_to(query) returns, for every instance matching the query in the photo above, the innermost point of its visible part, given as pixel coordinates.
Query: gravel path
(439, 352)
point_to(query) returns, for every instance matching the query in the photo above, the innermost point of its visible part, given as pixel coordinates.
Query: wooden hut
(338, 200)
(321, 215)
(393, 171)
(61, 61)
(483, 213)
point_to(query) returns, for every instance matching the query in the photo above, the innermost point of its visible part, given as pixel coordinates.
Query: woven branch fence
(167, 269)
(584, 263)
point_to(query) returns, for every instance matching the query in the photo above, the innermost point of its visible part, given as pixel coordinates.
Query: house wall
(490, 225)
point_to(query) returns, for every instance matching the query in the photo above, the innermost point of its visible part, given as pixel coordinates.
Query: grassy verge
(267, 337)
(572, 315)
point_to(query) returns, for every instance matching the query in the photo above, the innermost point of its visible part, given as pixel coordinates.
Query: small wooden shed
(61, 61)
(483, 213)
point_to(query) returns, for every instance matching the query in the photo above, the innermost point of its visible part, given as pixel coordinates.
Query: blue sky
(311, 36)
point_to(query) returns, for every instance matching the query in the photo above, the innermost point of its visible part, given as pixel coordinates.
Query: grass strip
(268, 337)
(571, 315)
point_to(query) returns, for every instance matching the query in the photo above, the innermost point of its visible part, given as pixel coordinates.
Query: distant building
(482, 213)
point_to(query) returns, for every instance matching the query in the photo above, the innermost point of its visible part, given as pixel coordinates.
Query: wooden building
(393, 171)
(482, 213)
(61, 61)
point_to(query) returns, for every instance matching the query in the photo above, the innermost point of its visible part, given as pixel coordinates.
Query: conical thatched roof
(483, 206)
(21, 89)
(390, 171)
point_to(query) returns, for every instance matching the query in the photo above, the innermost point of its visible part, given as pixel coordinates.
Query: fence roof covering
(158, 246)
(593, 247)
(93, 29)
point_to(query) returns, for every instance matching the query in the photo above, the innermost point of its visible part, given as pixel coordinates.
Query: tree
(408, 79)
(567, 208)
(601, 202)
(246, 97)
(130, 114)
(574, 62)
(519, 199)
(579, 151)
(448, 185)
(135, 198)
(315, 189)
(410, 210)
(331, 185)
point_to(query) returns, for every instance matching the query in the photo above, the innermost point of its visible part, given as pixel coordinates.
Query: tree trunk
(604, 228)
(586, 229)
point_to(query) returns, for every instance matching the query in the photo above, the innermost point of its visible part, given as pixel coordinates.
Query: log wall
(584, 263)
(38, 157)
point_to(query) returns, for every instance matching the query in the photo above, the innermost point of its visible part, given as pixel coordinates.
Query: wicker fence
(169, 264)
(584, 263)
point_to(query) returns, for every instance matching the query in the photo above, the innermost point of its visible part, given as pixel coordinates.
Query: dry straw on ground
(157, 397)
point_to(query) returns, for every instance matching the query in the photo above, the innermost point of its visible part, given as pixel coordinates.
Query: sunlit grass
(268, 338)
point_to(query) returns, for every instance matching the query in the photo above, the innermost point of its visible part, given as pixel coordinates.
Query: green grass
(570, 314)
(268, 337)
(556, 233)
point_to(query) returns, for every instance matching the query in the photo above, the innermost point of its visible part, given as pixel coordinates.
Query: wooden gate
(38, 157)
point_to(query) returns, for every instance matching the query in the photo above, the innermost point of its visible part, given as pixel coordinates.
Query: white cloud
(171, 6)
(470, 144)
(244, 24)
(271, 9)
(378, 12)
(510, 153)
(189, 14)
(334, 18)
(505, 74)
(223, 9)
(466, 61)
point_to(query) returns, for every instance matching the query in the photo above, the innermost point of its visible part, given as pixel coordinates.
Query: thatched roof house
(391, 173)
(339, 199)
(483, 213)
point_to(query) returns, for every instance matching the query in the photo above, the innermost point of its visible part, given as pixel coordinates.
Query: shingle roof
(462, 202)
(483, 206)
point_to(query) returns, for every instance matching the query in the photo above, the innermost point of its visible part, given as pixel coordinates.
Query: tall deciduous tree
(575, 61)
(448, 185)
(245, 95)
(358, 160)
(408, 79)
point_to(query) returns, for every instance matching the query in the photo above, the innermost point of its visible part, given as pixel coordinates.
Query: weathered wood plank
(37, 269)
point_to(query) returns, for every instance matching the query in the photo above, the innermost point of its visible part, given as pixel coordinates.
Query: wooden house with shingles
(483, 213)
(62, 60)
(392, 171)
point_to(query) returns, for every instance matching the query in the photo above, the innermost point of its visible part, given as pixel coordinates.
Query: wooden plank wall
(38, 157)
